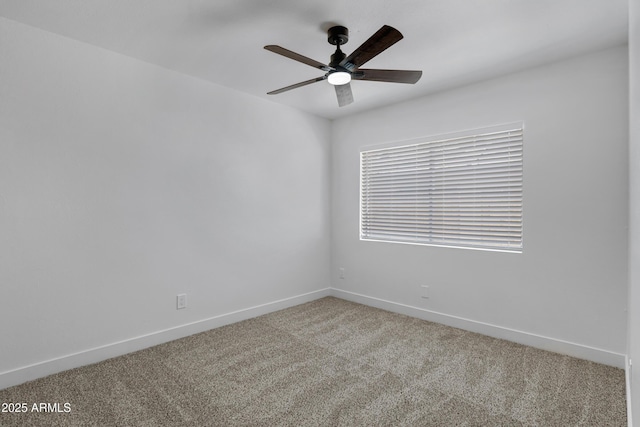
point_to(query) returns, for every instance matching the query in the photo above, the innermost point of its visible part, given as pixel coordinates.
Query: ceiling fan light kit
(342, 68)
(339, 78)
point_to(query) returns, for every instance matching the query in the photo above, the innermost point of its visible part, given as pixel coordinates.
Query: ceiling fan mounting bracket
(338, 35)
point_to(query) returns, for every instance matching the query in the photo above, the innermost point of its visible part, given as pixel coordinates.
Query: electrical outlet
(342, 272)
(181, 301)
(425, 291)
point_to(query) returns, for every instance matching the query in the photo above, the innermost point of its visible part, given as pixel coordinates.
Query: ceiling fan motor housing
(337, 58)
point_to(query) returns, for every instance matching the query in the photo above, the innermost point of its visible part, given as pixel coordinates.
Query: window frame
(442, 139)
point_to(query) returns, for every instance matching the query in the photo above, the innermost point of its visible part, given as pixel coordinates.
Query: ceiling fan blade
(297, 85)
(393, 76)
(297, 57)
(344, 94)
(384, 38)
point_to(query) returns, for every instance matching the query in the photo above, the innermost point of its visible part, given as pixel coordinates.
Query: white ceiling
(454, 42)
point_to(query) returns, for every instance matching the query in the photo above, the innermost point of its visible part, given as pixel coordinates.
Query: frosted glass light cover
(339, 78)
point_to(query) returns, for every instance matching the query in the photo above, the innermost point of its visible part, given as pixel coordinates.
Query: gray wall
(567, 291)
(634, 201)
(123, 184)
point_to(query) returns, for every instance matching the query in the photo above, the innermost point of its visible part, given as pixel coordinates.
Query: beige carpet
(330, 363)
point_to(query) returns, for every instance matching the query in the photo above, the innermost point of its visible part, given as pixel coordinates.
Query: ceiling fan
(342, 69)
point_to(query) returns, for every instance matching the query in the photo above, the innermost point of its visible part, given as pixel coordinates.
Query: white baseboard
(98, 354)
(545, 343)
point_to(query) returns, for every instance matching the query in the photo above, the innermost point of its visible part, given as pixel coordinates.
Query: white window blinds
(463, 191)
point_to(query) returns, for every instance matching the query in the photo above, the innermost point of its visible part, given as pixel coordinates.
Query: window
(461, 190)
